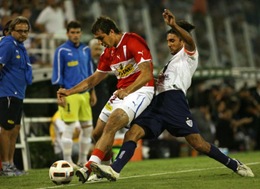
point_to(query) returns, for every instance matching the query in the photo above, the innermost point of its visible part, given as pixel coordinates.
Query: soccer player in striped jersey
(169, 108)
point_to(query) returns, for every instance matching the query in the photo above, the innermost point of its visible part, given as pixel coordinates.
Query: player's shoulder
(134, 39)
(133, 36)
(63, 48)
(85, 47)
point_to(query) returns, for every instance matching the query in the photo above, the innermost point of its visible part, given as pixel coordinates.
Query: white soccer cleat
(243, 170)
(83, 174)
(94, 178)
(104, 171)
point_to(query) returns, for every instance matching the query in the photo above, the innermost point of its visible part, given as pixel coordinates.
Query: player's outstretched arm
(84, 85)
(169, 19)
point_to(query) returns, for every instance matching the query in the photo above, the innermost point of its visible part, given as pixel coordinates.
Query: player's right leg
(125, 154)
(198, 143)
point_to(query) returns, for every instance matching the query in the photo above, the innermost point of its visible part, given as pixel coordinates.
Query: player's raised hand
(169, 18)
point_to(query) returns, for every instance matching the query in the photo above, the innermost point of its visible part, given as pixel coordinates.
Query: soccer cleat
(94, 178)
(83, 174)
(104, 171)
(9, 172)
(17, 171)
(243, 170)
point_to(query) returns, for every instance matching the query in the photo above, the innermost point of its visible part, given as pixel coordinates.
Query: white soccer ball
(61, 172)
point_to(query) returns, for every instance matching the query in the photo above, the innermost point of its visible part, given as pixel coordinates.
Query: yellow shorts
(77, 108)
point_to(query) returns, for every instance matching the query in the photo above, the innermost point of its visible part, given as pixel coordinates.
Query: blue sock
(216, 154)
(125, 154)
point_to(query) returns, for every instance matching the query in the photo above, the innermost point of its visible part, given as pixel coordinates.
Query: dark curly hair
(183, 24)
(105, 24)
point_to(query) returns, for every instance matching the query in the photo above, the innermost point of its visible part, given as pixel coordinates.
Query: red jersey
(123, 60)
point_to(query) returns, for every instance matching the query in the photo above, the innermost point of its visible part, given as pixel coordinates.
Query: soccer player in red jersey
(128, 57)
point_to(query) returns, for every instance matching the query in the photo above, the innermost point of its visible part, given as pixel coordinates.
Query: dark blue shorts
(168, 110)
(11, 112)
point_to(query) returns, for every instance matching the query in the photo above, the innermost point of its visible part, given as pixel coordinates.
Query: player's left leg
(198, 143)
(86, 122)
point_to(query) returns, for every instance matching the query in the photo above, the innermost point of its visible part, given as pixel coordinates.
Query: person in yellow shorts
(72, 64)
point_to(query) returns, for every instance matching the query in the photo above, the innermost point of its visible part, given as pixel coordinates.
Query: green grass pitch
(177, 173)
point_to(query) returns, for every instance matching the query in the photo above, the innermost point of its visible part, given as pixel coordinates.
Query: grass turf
(178, 173)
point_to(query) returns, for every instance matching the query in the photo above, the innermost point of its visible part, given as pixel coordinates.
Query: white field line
(146, 175)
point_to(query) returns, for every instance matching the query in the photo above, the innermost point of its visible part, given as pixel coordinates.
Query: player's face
(107, 40)
(20, 32)
(175, 44)
(74, 35)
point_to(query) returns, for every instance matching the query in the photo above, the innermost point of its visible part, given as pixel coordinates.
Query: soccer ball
(61, 172)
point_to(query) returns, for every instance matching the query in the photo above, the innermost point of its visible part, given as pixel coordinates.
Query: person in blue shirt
(72, 64)
(15, 75)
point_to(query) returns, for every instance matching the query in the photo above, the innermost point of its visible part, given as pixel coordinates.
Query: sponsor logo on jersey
(73, 63)
(124, 71)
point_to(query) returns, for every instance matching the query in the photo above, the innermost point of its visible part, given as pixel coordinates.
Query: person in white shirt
(52, 19)
(169, 109)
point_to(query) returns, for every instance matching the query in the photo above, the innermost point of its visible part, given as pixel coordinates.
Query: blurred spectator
(202, 116)
(200, 7)
(52, 19)
(38, 6)
(32, 41)
(250, 108)
(228, 126)
(6, 28)
(5, 9)
(256, 94)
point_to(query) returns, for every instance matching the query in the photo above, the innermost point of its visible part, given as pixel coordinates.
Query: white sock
(67, 142)
(84, 144)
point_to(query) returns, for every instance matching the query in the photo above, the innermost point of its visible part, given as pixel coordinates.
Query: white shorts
(134, 104)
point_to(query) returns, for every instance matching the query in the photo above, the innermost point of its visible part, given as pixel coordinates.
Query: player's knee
(198, 147)
(133, 135)
(8, 125)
